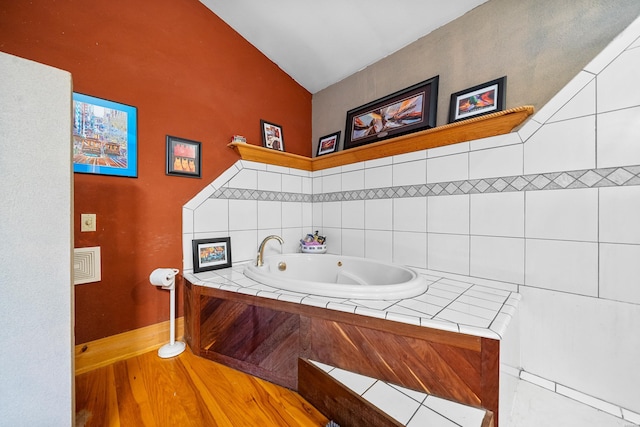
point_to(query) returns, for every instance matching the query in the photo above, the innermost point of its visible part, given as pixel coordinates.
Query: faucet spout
(262, 245)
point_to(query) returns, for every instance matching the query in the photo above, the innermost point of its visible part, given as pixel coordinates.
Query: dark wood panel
(490, 375)
(406, 361)
(265, 337)
(338, 402)
(433, 335)
(192, 310)
(260, 340)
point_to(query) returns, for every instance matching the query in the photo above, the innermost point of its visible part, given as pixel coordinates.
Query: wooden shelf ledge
(494, 124)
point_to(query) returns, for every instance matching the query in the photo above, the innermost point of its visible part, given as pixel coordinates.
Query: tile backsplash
(552, 208)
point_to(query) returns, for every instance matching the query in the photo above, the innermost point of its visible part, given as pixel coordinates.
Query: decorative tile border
(585, 178)
(272, 196)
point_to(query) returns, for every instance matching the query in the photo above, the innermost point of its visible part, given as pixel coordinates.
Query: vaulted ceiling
(319, 43)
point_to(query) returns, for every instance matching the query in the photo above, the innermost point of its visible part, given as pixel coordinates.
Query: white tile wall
(244, 244)
(378, 245)
(246, 178)
(243, 214)
(291, 183)
(292, 214)
(332, 183)
(213, 215)
(618, 82)
(353, 180)
(410, 248)
(583, 343)
(378, 214)
(409, 173)
(620, 272)
(498, 214)
(495, 141)
(410, 214)
(583, 103)
(562, 215)
(378, 176)
(353, 214)
(574, 251)
(562, 265)
(563, 102)
(454, 167)
(448, 214)
(619, 219)
(499, 161)
(353, 242)
(332, 214)
(448, 252)
(269, 215)
(501, 258)
(618, 134)
(562, 146)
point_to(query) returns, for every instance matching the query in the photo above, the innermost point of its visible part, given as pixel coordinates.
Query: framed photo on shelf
(105, 137)
(328, 143)
(184, 157)
(410, 110)
(478, 100)
(211, 254)
(272, 135)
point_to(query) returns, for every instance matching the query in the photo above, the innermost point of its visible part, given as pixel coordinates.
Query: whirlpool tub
(338, 276)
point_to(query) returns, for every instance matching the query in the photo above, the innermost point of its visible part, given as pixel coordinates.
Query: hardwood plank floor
(185, 391)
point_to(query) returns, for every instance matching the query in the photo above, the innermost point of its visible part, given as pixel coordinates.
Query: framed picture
(486, 98)
(272, 136)
(184, 157)
(409, 110)
(105, 137)
(211, 254)
(328, 143)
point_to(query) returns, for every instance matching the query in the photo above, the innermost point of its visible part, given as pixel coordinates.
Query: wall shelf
(494, 124)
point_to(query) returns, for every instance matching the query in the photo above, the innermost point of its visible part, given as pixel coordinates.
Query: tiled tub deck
(452, 303)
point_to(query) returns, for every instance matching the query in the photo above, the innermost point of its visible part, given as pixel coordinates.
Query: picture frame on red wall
(105, 137)
(184, 157)
(272, 135)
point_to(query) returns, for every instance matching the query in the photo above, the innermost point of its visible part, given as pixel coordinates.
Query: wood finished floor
(185, 391)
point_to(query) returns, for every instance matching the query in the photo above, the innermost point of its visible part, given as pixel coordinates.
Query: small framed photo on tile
(211, 254)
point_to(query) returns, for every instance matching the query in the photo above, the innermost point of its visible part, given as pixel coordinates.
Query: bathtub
(338, 276)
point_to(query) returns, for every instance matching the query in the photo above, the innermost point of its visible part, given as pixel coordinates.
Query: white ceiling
(320, 42)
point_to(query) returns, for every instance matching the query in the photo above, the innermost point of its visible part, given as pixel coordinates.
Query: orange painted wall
(190, 75)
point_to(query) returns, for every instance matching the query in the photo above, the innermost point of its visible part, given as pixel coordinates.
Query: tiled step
(399, 406)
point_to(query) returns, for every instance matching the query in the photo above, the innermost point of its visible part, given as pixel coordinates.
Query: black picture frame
(184, 157)
(211, 254)
(409, 110)
(479, 100)
(328, 143)
(272, 135)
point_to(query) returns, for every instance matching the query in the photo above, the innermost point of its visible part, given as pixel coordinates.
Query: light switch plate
(87, 222)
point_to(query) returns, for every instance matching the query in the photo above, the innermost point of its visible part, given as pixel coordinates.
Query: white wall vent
(86, 265)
